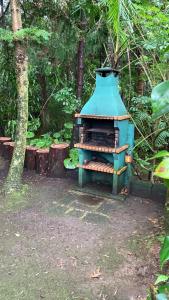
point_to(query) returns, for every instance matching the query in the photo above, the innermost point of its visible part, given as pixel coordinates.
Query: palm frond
(162, 139)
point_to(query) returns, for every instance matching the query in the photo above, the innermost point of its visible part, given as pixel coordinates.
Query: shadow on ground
(61, 244)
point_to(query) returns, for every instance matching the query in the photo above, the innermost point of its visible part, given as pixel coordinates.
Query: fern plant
(151, 134)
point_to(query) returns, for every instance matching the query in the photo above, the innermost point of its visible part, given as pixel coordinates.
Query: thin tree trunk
(111, 57)
(80, 68)
(140, 81)
(80, 58)
(13, 181)
(2, 13)
(44, 97)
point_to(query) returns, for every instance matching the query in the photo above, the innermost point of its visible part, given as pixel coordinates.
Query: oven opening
(99, 133)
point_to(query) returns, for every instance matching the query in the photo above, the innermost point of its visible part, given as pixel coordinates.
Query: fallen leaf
(17, 234)
(154, 221)
(96, 274)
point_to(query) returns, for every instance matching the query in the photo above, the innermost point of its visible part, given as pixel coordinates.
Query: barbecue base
(99, 191)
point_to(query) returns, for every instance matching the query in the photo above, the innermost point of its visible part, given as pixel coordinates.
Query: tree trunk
(2, 13)
(111, 57)
(140, 81)
(80, 68)
(44, 97)
(80, 58)
(13, 181)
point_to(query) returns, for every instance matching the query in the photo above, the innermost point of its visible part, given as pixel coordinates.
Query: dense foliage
(160, 289)
(132, 36)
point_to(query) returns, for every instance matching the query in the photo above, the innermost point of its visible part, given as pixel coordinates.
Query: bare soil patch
(60, 245)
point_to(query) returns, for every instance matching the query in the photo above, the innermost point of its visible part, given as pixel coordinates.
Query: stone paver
(68, 199)
(107, 208)
(96, 218)
(75, 213)
(85, 207)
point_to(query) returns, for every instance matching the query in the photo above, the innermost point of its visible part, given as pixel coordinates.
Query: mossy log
(42, 159)
(8, 148)
(57, 154)
(2, 141)
(30, 158)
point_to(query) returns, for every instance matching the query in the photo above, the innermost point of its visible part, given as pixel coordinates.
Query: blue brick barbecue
(106, 135)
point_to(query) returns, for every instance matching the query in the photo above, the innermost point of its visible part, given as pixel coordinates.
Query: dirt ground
(59, 243)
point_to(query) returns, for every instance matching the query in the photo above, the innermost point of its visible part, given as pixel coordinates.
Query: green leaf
(161, 278)
(69, 164)
(72, 161)
(57, 135)
(74, 155)
(163, 288)
(166, 181)
(32, 33)
(30, 135)
(162, 169)
(164, 252)
(68, 125)
(41, 144)
(160, 99)
(6, 35)
(46, 136)
(163, 153)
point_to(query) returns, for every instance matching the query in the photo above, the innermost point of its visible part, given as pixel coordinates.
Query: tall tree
(140, 73)
(80, 60)
(13, 181)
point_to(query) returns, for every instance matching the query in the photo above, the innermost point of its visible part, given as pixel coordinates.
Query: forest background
(70, 40)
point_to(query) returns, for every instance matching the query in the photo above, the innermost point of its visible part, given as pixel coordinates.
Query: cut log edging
(42, 161)
(30, 158)
(139, 188)
(3, 139)
(57, 155)
(48, 162)
(7, 150)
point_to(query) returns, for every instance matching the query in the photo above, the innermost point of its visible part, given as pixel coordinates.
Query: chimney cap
(104, 72)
